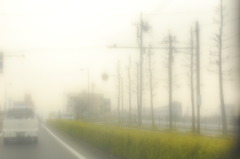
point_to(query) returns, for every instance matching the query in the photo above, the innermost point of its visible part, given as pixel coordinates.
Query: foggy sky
(58, 38)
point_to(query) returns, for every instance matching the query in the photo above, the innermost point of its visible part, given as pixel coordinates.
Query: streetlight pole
(88, 74)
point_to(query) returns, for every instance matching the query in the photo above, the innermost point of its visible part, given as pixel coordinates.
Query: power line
(99, 14)
(91, 14)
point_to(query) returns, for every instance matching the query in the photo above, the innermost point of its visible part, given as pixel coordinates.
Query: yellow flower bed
(139, 144)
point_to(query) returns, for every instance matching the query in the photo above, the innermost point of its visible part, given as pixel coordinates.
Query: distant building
(163, 112)
(82, 105)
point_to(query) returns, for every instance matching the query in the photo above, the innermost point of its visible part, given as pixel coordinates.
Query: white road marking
(79, 156)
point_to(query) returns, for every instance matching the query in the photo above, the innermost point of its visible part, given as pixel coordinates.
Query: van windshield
(20, 113)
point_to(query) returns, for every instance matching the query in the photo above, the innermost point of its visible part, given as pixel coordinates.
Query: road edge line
(78, 155)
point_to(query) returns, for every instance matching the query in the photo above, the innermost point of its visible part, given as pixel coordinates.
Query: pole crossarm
(136, 47)
(14, 55)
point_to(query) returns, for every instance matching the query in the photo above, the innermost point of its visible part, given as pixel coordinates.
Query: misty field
(139, 144)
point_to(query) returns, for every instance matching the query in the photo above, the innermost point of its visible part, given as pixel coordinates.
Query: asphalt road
(51, 145)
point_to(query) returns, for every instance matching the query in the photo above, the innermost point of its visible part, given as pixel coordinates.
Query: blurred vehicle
(20, 123)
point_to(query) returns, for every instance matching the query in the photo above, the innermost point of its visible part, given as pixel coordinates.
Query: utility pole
(191, 79)
(170, 60)
(141, 72)
(198, 76)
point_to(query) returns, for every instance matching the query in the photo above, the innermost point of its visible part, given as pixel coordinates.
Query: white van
(20, 123)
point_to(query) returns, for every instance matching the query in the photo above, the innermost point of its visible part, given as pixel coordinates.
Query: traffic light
(1, 62)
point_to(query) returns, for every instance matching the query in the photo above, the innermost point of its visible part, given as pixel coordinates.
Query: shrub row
(139, 144)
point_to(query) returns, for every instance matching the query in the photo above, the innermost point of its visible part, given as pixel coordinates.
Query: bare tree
(170, 83)
(119, 89)
(170, 40)
(219, 43)
(129, 91)
(190, 64)
(137, 92)
(151, 84)
(122, 113)
(198, 76)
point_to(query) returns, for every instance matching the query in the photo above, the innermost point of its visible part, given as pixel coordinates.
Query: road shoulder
(84, 148)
